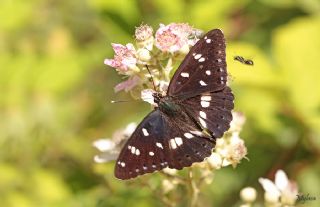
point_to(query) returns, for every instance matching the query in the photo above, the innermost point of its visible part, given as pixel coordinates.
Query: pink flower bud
(143, 32)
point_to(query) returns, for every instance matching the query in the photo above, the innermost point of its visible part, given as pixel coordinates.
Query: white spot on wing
(133, 150)
(129, 147)
(205, 104)
(178, 141)
(205, 98)
(203, 114)
(205, 37)
(172, 144)
(151, 153)
(208, 40)
(123, 164)
(159, 145)
(145, 132)
(202, 83)
(208, 72)
(219, 60)
(203, 123)
(137, 152)
(188, 135)
(197, 56)
(202, 59)
(198, 133)
(185, 75)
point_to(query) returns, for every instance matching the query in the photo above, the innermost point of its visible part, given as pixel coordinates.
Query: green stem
(193, 189)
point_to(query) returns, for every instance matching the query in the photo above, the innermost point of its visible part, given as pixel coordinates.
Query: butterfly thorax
(166, 104)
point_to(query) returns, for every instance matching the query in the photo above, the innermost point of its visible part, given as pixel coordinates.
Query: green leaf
(296, 49)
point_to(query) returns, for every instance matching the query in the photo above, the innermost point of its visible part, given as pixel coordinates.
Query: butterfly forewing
(143, 152)
(161, 141)
(203, 69)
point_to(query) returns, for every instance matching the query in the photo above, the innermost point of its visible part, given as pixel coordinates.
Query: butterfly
(242, 60)
(183, 128)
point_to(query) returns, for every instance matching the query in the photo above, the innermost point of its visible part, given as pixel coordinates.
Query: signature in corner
(301, 198)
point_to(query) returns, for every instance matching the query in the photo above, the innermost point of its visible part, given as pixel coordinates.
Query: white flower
(110, 148)
(233, 150)
(282, 191)
(238, 150)
(215, 160)
(172, 37)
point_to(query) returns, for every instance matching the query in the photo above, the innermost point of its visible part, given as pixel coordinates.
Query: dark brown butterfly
(184, 127)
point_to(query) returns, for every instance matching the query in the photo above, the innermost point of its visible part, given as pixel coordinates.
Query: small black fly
(243, 61)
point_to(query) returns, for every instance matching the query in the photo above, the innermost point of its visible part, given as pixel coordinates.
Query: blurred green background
(55, 95)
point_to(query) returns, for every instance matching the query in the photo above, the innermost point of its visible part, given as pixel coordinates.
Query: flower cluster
(282, 192)
(154, 53)
(148, 64)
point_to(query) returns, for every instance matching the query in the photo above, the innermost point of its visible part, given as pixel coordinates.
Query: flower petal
(104, 144)
(269, 186)
(105, 157)
(281, 180)
(147, 96)
(128, 84)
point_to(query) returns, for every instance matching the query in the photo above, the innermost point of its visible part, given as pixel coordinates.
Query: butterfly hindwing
(212, 110)
(161, 141)
(203, 69)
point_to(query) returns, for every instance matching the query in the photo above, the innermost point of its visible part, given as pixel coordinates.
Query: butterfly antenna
(154, 85)
(123, 101)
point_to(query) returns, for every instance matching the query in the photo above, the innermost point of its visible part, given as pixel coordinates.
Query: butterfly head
(157, 97)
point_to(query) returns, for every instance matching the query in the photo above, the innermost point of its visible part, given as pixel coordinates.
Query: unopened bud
(143, 55)
(143, 32)
(215, 160)
(248, 194)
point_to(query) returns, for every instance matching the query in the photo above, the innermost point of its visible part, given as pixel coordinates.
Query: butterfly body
(184, 126)
(168, 106)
